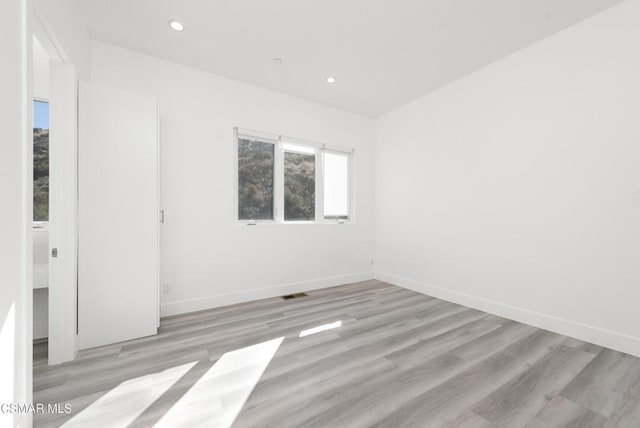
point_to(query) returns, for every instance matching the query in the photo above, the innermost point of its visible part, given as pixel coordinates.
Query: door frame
(63, 235)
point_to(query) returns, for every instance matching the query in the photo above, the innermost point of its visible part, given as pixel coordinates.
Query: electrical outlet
(166, 289)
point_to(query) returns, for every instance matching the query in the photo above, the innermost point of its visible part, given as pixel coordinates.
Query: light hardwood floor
(398, 359)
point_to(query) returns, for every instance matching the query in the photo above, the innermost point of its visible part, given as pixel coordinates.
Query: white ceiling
(383, 53)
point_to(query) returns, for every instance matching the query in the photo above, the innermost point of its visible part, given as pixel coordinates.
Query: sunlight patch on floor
(124, 403)
(320, 328)
(216, 399)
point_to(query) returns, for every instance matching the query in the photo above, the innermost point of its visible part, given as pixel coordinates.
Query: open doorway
(54, 313)
(41, 180)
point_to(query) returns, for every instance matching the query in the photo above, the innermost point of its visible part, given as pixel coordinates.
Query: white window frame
(315, 149)
(263, 138)
(350, 184)
(280, 142)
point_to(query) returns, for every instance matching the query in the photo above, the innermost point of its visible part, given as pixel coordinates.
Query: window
(40, 161)
(255, 179)
(285, 180)
(336, 186)
(299, 183)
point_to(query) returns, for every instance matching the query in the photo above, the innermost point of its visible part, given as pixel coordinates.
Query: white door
(118, 197)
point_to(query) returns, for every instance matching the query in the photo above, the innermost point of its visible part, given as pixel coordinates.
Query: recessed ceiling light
(331, 79)
(176, 25)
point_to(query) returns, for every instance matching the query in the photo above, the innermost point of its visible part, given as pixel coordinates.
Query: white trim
(339, 150)
(275, 137)
(278, 183)
(236, 212)
(264, 138)
(300, 142)
(198, 304)
(350, 186)
(302, 149)
(267, 137)
(319, 185)
(271, 223)
(599, 336)
(63, 340)
(160, 211)
(47, 36)
(40, 97)
(63, 214)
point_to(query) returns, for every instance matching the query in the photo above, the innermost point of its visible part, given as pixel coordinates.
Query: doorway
(41, 179)
(54, 285)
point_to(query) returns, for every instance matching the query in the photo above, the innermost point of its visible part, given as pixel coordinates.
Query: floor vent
(294, 296)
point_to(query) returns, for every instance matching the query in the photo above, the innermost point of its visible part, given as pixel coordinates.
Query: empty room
(303, 213)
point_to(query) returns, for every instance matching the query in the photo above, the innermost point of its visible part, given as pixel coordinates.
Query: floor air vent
(294, 296)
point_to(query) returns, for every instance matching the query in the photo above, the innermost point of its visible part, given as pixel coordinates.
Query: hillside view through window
(299, 186)
(40, 161)
(255, 179)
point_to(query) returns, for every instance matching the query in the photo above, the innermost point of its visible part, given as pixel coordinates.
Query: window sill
(293, 223)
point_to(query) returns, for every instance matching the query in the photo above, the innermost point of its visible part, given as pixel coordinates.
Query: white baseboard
(599, 336)
(40, 330)
(198, 304)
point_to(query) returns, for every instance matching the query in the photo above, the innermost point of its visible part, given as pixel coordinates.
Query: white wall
(16, 169)
(517, 189)
(206, 258)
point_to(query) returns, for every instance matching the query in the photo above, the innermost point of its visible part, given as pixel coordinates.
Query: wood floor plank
(413, 355)
(520, 399)
(562, 413)
(606, 383)
(443, 404)
(396, 358)
(266, 408)
(353, 358)
(470, 420)
(385, 399)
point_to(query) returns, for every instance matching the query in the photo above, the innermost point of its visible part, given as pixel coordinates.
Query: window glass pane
(40, 161)
(336, 186)
(299, 186)
(255, 179)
